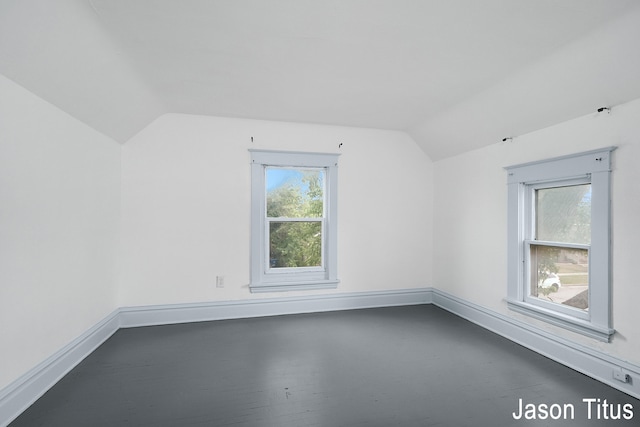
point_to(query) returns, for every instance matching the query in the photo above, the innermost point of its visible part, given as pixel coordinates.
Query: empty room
(319, 213)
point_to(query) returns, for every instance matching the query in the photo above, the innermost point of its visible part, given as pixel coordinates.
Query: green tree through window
(295, 211)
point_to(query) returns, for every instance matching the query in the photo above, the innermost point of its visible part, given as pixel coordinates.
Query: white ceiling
(455, 74)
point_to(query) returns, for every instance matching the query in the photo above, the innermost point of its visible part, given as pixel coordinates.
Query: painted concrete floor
(399, 366)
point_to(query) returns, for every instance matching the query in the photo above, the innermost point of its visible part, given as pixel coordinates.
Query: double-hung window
(293, 220)
(559, 241)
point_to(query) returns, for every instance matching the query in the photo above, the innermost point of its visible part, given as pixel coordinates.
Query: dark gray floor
(403, 366)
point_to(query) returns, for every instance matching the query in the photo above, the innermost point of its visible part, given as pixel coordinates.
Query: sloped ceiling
(455, 74)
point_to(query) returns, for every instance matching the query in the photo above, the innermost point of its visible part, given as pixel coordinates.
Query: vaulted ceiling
(455, 74)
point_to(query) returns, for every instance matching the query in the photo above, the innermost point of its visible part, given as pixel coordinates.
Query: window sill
(564, 321)
(292, 286)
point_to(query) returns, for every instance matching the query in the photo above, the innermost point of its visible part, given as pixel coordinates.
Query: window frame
(263, 277)
(530, 239)
(592, 167)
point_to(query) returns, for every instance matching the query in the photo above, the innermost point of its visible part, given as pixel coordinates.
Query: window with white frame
(293, 220)
(559, 243)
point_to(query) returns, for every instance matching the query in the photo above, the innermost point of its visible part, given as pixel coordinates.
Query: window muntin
(294, 217)
(564, 234)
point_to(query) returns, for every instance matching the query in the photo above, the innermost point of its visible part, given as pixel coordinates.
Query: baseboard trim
(220, 310)
(593, 363)
(23, 392)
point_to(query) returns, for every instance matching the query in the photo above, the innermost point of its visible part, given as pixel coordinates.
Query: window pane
(295, 193)
(560, 275)
(295, 244)
(563, 214)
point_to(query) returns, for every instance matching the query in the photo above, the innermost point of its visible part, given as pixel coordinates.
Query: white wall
(180, 190)
(471, 206)
(186, 206)
(59, 213)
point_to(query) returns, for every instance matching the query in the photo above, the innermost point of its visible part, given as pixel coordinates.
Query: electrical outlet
(621, 376)
(219, 281)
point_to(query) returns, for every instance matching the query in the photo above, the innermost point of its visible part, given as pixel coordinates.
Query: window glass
(560, 275)
(295, 193)
(295, 244)
(563, 214)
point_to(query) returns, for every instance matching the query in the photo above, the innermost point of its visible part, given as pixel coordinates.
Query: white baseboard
(593, 363)
(24, 391)
(202, 312)
(19, 395)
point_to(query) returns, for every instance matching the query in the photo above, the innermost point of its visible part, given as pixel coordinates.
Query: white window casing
(264, 278)
(592, 167)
